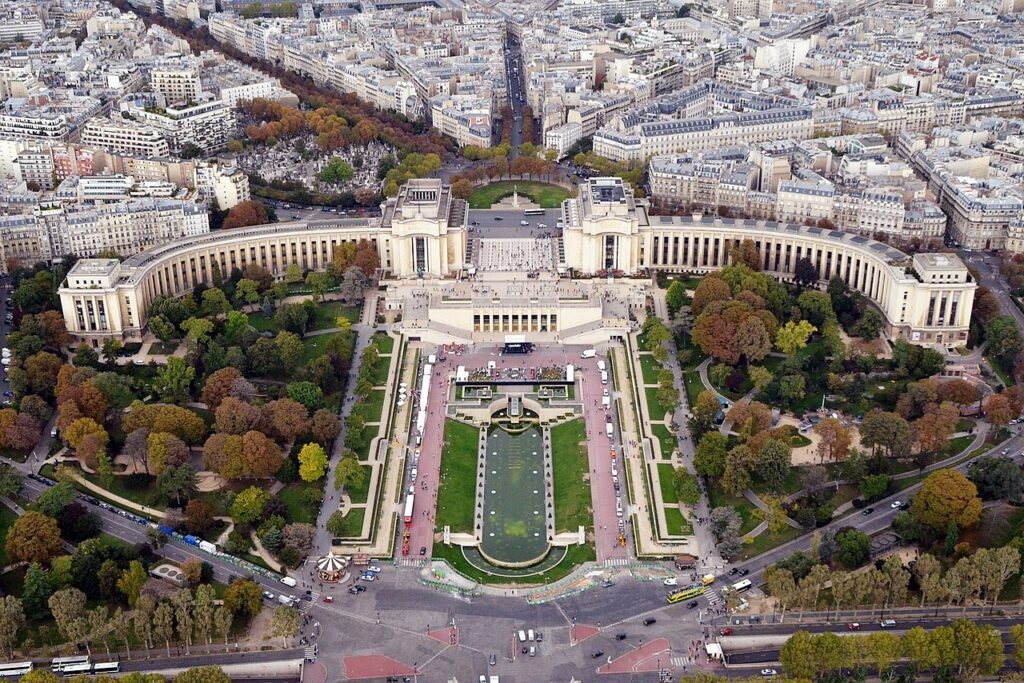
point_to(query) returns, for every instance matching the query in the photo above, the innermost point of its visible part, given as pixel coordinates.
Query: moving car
(670, 582)
(328, 598)
(599, 653)
(691, 604)
(868, 511)
(769, 672)
(650, 621)
(853, 626)
(268, 595)
(895, 504)
(620, 636)
(888, 623)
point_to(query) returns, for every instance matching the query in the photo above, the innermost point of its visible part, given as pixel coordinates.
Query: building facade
(423, 233)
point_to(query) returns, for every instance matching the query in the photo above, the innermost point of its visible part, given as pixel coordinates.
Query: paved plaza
(519, 255)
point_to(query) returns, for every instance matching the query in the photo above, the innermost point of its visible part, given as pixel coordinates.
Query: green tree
(12, 618)
(773, 463)
(337, 170)
(349, 473)
(1003, 338)
(675, 297)
(37, 591)
(760, 377)
(203, 674)
(248, 504)
(792, 388)
(319, 283)
(686, 486)
(247, 292)
(852, 548)
(131, 582)
(709, 460)
(289, 348)
(286, 623)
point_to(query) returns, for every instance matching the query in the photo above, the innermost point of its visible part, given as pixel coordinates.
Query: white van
(289, 581)
(522, 636)
(529, 634)
(604, 377)
(589, 353)
(412, 475)
(601, 366)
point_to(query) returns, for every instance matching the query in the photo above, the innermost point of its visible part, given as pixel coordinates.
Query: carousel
(331, 568)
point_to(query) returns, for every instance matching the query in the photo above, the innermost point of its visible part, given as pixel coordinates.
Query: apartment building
(227, 185)
(207, 125)
(465, 119)
(125, 136)
(176, 84)
(702, 185)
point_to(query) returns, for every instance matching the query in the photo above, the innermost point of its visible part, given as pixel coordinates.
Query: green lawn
(650, 368)
(570, 464)
(163, 348)
(654, 407)
(693, 387)
(1003, 373)
(719, 498)
(457, 492)
(385, 343)
(7, 517)
(845, 494)
(137, 488)
(359, 494)
(792, 483)
(767, 541)
(314, 346)
(548, 196)
(374, 403)
(294, 499)
(379, 373)
(354, 521)
(665, 438)
(957, 445)
(327, 314)
(262, 323)
(677, 522)
(668, 491)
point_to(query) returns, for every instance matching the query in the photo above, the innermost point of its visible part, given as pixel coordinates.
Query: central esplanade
(427, 250)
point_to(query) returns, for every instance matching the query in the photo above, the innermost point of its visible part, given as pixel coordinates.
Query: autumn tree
(251, 212)
(218, 385)
(244, 597)
(235, 416)
(792, 336)
(886, 434)
(287, 419)
(164, 450)
(34, 537)
(947, 496)
(711, 288)
(262, 456)
(198, 516)
(998, 410)
(935, 426)
(312, 462)
(835, 439)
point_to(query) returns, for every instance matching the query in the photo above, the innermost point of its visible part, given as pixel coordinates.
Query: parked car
(620, 636)
(650, 621)
(599, 653)
(727, 631)
(769, 672)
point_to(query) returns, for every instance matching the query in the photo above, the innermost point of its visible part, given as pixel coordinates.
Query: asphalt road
(880, 519)
(988, 270)
(508, 223)
(516, 90)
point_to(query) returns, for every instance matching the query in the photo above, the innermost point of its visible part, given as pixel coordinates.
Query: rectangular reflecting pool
(513, 529)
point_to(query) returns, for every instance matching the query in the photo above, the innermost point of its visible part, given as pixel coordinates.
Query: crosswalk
(310, 652)
(616, 562)
(713, 597)
(678, 662)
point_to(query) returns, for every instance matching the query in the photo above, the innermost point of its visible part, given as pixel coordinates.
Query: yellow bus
(681, 594)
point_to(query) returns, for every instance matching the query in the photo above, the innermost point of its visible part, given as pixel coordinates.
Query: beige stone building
(423, 234)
